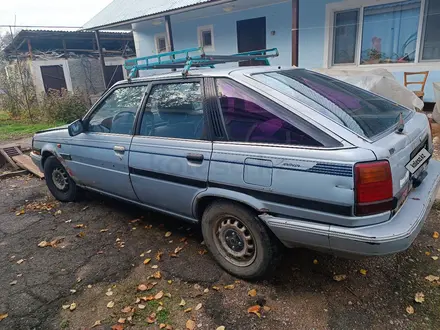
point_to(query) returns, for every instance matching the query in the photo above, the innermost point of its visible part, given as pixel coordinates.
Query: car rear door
(171, 151)
(98, 157)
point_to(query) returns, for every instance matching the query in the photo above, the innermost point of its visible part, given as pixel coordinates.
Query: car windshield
(363, 112)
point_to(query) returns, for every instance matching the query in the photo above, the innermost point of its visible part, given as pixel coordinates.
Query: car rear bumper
(37, 160)
(392, 236)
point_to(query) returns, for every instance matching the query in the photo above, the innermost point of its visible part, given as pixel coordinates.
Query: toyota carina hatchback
(261, 157)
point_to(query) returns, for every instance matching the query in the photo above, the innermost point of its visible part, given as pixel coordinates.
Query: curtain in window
(389, 32)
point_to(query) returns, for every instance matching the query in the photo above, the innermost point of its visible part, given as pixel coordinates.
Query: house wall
(278, 19)
(312, 36)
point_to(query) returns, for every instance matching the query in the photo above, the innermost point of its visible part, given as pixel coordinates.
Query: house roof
(119, 12)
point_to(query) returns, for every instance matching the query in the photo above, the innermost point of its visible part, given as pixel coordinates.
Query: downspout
(295, 32)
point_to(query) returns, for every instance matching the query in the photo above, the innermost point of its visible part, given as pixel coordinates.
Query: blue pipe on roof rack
(189, 60)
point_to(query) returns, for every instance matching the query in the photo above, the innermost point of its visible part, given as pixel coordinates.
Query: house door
(53, 77)
(251, 35)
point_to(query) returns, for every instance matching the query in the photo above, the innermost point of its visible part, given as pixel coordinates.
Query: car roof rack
(193, 57)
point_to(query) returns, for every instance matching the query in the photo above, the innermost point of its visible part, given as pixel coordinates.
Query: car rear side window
(174, 110)
(251, 118)
(363, 112)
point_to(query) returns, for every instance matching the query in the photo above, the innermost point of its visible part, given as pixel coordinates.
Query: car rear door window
(116, 113)
(174, 110)
(254, 119)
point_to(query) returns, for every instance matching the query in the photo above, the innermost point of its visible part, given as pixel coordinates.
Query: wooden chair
(421, 92)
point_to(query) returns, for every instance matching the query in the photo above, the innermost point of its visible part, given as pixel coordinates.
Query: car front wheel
(238, 240)
(58, 180)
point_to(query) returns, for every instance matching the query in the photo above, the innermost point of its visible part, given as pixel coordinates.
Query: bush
(65, 106)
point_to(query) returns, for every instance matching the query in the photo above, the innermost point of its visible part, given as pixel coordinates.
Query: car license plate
(418, 160)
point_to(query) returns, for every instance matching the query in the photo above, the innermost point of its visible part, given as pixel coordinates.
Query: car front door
(170, 154)
(99, 156)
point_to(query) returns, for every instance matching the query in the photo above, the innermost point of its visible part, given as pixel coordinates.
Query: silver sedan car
(261, 157)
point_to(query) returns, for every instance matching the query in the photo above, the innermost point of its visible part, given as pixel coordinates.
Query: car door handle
(120, 149)
(196, 158)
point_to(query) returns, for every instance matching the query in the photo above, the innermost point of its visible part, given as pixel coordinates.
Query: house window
(385, 33)
(161, 43)
(431, 42)
(206, 37)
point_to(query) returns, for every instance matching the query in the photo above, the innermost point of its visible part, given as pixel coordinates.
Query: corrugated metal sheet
(125, 10)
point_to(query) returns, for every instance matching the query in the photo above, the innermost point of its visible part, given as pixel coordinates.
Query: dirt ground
(97, 262)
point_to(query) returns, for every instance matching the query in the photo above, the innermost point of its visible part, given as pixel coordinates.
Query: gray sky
(50, 12)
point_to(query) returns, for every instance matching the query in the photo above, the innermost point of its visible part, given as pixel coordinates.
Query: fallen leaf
(202, 252)
(43, 244)
(410, 310)
(13, 282)
(56, 241)
(178, 249)
(80, 225)
(162, 326)
(206, 290)
(419, 297)
(198, 306)
(151, 318)
(19, 212)
(183, 239)
(81, 234)
(72, 306)
(121, 320)
(111, 304)
(159, 308)
(146, 261)
(140, 306)
(148, 226)
(363, 271)
(255, 309)
(20, 261)
(117, 327)
(432, 278)
(267, 308)
(229, 286)
(428, 253)
(170, 281)
(168, 234)
(158, 295)
(315, 262)
(65, 306)
(3, 316)
(109, 293)
(216, 288)
(252, 293)
(190, 325)
(149, 251)
(159, 255)
(168, 295)
(155, 266)
(72, 291)
(222, 327)
(182, 303)
(435, 235)
(103, 230)
(187, 310)
(57, 212)
(434, 258)
(126, 309)
(96, 323)
(149, 298)
(339, 278)
(157, 275)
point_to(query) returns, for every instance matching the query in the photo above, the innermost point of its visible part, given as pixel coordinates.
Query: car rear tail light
(373, 188)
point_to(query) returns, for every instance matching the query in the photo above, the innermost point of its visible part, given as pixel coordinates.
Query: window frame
(141, 110)
(85, 119)
(200, 31)
(158, 36)
(313, 131)
(423, 30)
(329, 43)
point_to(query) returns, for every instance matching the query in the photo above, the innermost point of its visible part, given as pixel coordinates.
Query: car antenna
(400, 124)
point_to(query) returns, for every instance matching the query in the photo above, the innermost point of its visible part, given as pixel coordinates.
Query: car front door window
(117, 112)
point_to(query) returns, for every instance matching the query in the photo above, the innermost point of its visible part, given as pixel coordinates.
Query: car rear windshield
(363, 112)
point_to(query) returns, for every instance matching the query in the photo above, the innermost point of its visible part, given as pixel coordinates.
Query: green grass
(16, 128)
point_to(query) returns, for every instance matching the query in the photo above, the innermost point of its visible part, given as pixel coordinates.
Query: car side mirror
(76, 127)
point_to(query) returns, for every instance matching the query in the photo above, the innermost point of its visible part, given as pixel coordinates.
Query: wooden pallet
(9, 151)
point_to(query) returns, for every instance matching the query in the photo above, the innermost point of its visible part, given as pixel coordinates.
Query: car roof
(208, 72)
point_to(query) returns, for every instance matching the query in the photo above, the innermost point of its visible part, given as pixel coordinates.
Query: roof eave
(158, 15)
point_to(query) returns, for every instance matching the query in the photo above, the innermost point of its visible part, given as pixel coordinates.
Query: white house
(399, 35)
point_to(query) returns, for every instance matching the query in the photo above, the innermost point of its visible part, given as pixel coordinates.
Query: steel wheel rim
(234, 241)
(60, 178)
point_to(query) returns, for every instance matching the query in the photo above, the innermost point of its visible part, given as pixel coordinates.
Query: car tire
(239, 241)
(58, 181)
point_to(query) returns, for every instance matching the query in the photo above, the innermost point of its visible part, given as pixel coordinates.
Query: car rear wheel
(238, 240)
(58, 180)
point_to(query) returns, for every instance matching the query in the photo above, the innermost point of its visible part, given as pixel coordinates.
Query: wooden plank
(24, 161)
(6, 175)
(8, 159)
